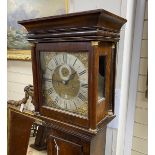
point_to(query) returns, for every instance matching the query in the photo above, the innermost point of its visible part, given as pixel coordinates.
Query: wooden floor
(31, 151)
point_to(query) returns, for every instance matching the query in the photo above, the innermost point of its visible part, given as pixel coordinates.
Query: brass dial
(65, 81)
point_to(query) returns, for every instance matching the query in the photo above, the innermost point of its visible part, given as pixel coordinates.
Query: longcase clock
(73, 60)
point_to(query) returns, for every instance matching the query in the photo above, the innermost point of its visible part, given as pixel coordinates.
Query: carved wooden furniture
(73, 61)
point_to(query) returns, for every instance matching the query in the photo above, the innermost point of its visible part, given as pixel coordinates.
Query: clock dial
(65, 81)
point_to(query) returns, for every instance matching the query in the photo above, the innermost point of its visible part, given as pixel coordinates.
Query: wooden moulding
(86, 134)
(52, 113)
(91, 25)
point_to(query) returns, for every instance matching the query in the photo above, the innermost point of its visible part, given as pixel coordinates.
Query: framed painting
(17, 45)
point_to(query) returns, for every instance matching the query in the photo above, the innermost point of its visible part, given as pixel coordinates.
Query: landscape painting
(28, 9)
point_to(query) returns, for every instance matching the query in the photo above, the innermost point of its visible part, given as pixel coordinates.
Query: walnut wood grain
(34, 69)
(84, 26)
(19, 127)
(92, 85)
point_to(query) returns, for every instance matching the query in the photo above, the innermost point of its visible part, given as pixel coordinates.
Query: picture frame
(18, 48)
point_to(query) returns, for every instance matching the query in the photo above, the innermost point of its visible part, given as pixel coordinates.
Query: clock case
(95, 32)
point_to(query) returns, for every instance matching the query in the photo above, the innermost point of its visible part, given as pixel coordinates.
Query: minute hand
(70, 78)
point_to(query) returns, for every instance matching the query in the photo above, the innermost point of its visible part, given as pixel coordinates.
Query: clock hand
(66, 81)
(70, 78)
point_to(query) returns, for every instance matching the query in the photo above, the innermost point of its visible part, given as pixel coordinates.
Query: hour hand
(71, 76)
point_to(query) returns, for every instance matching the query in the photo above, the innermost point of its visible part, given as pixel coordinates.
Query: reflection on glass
(101, 78)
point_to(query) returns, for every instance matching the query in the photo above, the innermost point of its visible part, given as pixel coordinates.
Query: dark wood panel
(64, 47)
(34, 72)
(87, 33)
(92, 85)
(74, 39)
(86, 139)
(63, 147)
(62, 116)
(113, 77)
(98, 143)
(19, 127)
(78, 141)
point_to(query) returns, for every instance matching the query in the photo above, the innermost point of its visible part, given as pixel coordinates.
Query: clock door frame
(49, 112)
(97, 112)
(105, 49)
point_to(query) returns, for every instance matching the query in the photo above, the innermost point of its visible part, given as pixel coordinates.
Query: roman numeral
(74, 62)
(65, 104)
(49, 69)
(56, 100)
(83, 72)
(84, 85)
(65, 58)
(75, 104)
(49, 91)
(46, 79)
(82, 97)
(56, 62)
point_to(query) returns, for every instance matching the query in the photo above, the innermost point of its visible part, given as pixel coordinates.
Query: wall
(140, 137)
(110, 5)
(119, 8)
(19, 76)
